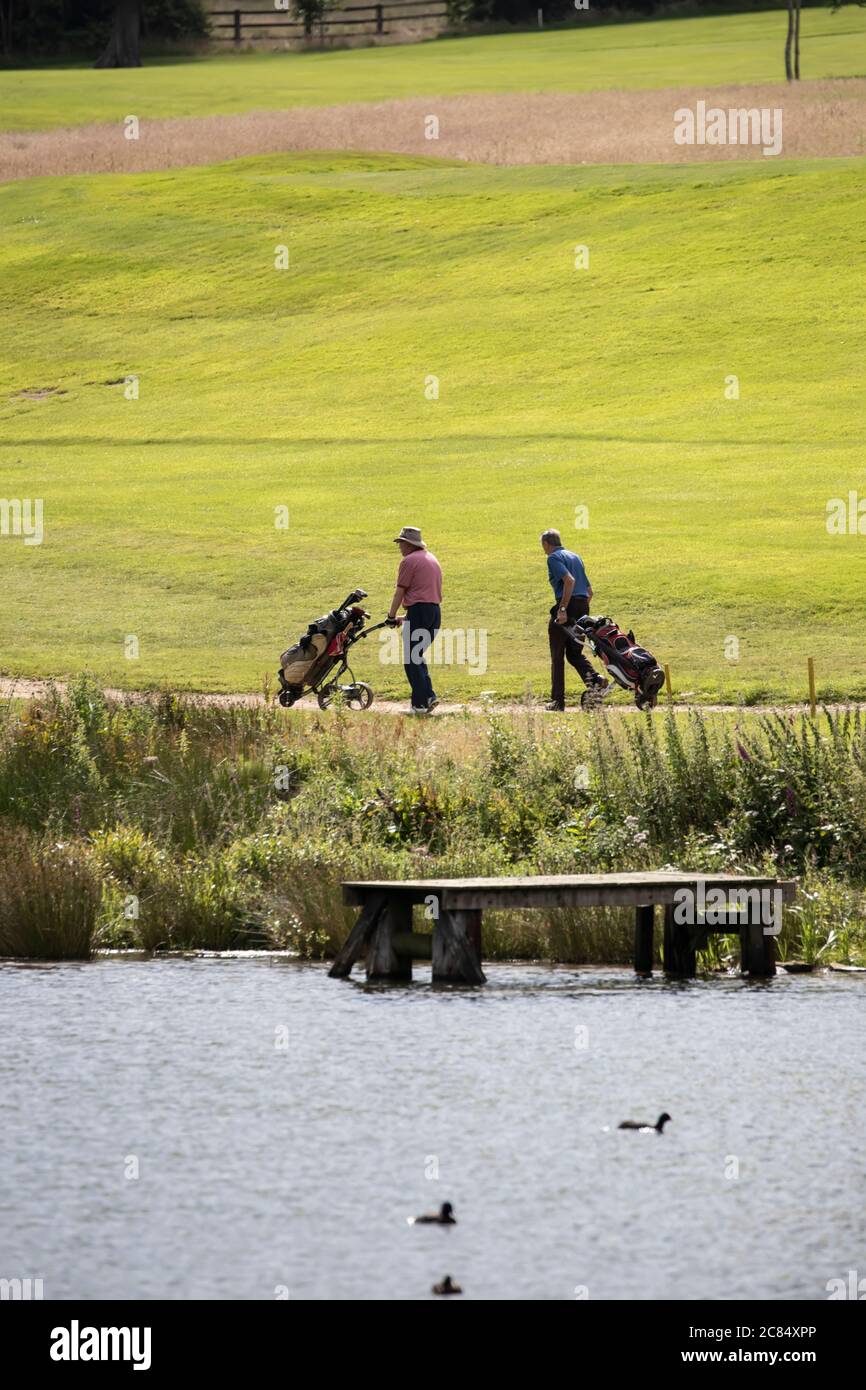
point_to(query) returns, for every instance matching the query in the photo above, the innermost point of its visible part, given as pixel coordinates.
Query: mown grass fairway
(666, 53)
(558, 388)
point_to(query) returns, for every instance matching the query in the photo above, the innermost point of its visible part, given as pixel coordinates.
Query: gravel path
(27, 690)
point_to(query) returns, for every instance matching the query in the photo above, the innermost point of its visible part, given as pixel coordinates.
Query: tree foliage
(311, 12)
(36, 28)
(524, 13)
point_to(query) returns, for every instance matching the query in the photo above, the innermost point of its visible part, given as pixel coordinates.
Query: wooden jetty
(383, 933)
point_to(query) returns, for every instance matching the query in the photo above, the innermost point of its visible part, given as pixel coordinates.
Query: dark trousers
(419, 628)
(563, 648)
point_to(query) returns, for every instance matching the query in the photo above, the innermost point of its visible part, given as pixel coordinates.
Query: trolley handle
(365, 632)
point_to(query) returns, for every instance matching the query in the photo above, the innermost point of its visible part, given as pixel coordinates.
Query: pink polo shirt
(420, 574)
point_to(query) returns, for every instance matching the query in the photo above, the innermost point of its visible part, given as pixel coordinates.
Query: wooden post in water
(473, 931)
(757, 950)
(456, 947)
(356, 941)
(643, 939)
(679, 951)
(383, 960)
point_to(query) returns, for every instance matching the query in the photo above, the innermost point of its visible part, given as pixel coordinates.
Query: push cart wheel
(287, 698)
(326, 695)
(591, 699)
(359, 695)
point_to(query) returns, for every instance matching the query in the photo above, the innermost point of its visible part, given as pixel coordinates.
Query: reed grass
(168, 824)
(50, 898)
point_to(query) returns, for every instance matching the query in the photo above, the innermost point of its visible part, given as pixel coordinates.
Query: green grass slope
(558, 388)
(666, 53)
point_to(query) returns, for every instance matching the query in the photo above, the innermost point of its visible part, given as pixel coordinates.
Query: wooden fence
(378, 19)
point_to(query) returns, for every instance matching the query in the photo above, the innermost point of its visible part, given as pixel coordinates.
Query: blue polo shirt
(562, 562)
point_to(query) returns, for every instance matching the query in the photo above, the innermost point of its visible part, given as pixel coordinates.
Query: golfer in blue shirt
(573, 592)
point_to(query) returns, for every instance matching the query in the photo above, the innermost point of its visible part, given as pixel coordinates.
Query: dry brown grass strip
(612, 127)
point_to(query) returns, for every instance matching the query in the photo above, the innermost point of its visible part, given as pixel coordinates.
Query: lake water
(264, 1167)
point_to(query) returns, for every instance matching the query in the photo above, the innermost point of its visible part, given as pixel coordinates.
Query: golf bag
(631, 666)
(317, 660)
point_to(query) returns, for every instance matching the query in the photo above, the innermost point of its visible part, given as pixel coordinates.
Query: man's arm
(396, 601)
(567, 591)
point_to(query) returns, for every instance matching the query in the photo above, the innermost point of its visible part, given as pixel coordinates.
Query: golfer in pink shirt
(419, 590)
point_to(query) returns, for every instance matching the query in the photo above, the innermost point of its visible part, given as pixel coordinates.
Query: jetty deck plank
(560, 890)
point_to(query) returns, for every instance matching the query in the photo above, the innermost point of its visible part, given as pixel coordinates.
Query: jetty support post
(680, 957)
(757, 948)
(356, 942)
(643, 938)
(385, 959)
(457, 946)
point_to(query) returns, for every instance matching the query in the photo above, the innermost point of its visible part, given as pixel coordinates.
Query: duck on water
(644, 1128)
(443, 1217)
(447, 1286)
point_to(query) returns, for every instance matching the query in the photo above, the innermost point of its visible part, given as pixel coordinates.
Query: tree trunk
(6, 26)
(797, 40)
(123, 49)
(789, 74)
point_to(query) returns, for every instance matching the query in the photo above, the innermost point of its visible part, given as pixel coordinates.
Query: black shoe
(554, 707)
